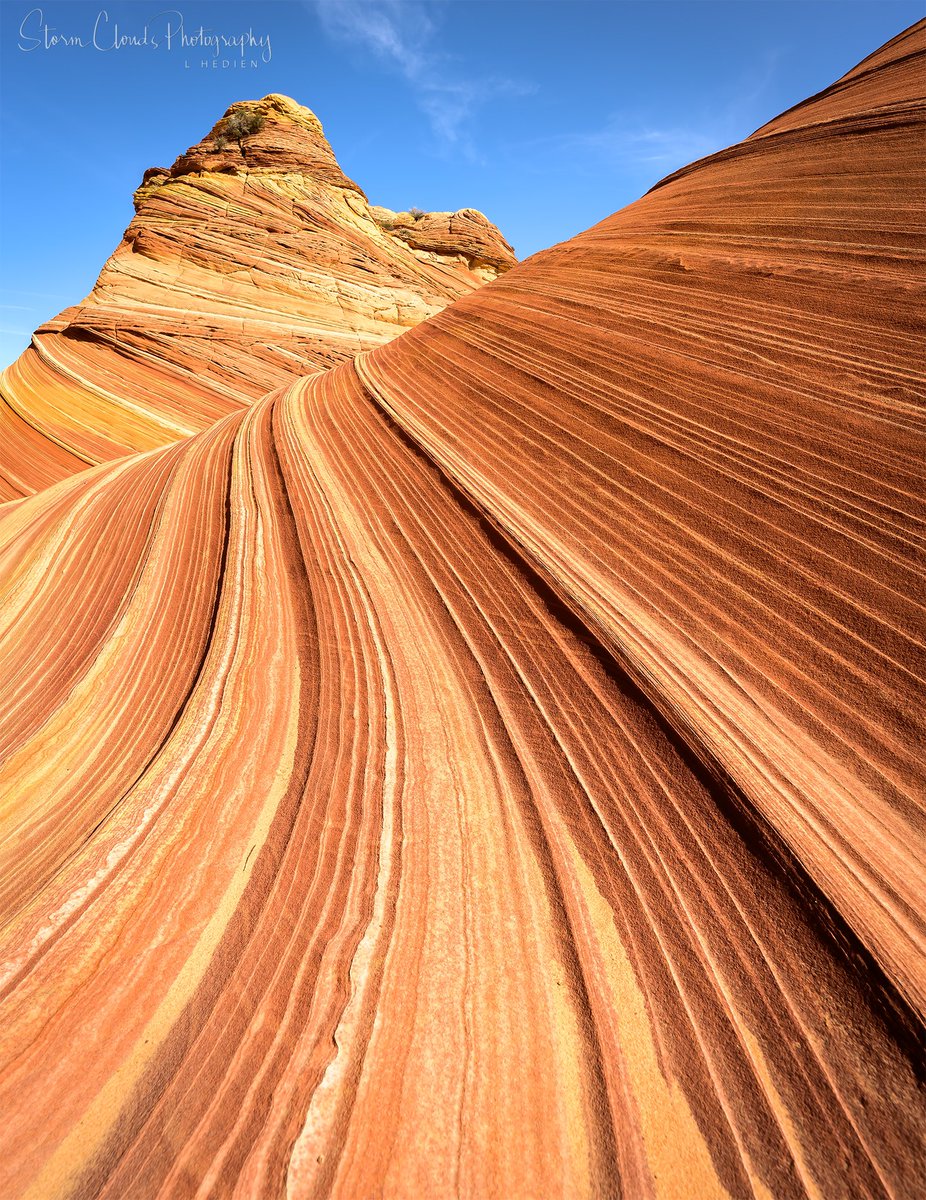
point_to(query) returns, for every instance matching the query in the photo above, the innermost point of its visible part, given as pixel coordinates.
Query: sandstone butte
(492, 766)
(250, 262)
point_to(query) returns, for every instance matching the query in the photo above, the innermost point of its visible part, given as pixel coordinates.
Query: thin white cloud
(402, 33)
(624, 144)
(630, 141)
(395, 31)
(38, 295)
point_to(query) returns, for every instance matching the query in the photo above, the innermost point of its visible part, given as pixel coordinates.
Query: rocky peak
(276, 135)
(273, 134)
(252, 260)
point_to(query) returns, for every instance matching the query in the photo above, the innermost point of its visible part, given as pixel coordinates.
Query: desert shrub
(240, 124)
(220, 142)
(416, 213)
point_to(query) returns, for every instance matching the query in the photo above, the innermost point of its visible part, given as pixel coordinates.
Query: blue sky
(548, 116)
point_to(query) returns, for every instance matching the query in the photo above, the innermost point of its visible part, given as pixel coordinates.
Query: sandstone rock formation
(467, 235)
(253, 260)
(493, 767)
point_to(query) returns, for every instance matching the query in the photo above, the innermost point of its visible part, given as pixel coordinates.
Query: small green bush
(416, 213)
(220, 142)
(241, 123)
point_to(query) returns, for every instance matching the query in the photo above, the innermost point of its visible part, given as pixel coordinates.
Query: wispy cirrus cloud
(625, 145)
(395, 31)
(402, 34)
(628, 143)
(637, 143)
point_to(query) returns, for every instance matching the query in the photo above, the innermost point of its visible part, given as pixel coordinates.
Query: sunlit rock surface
(493, 767)
(253, 260)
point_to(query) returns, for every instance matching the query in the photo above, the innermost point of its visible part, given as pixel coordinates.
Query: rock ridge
(250, 261)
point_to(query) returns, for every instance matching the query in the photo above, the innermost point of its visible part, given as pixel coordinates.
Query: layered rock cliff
(252, 260)
(492, 767)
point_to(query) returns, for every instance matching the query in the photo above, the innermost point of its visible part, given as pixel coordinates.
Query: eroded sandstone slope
(493, 768)
(252, 260)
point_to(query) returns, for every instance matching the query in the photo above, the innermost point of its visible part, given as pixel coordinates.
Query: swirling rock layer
(490, 767)
(253, 260)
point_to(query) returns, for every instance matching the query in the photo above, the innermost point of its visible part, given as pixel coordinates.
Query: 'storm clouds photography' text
(165, 30)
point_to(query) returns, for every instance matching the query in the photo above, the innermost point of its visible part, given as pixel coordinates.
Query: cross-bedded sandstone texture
(491, 766)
